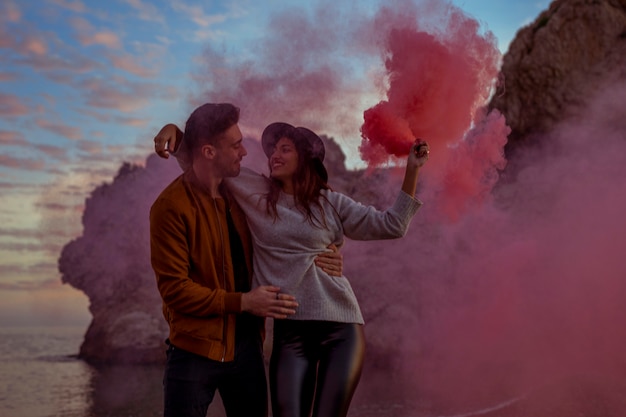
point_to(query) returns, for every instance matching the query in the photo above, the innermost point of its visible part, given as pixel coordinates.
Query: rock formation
(110, 263)
(555, 63)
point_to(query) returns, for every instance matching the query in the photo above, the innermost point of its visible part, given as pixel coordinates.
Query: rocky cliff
(556, 63)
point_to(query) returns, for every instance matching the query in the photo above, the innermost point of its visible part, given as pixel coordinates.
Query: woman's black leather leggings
(315, 367)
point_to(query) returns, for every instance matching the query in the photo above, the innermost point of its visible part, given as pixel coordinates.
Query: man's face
(229, 152)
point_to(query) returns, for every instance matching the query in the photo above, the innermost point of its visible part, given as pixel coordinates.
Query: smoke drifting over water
(493, 293)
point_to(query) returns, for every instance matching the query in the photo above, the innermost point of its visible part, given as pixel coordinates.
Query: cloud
(51, 209)
(90, 146)
(10, 12)
(146, 11)
(117, 93)
(87, 35)
(12, 106)
(207, 35)
(22, 163)
(17, 139)
(62, 67)
(12, 138)
(52, 151)
(43, 51)
(20, 187)
(97, 175)
(73, 5)
(19, 232)
(21, 247)
(131, 121)
(24, 41)
(60, 207)
(69, 132)
(6, 76)
(34, 46)
(28, 285)
(197, 14)
(131, 64)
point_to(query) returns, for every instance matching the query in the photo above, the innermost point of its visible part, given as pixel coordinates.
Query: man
(202, 256)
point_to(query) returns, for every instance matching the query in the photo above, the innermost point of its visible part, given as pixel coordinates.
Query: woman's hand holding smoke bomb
(419, 153)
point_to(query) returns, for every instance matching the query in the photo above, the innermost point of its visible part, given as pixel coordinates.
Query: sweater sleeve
(182, 154)
(362, 222)
(170, 260)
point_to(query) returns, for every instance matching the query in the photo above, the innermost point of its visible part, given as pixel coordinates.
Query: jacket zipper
(219, 224)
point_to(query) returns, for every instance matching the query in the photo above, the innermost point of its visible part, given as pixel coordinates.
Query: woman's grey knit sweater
(285, 249)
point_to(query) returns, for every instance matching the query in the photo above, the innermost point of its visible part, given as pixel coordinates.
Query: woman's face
(284, 160)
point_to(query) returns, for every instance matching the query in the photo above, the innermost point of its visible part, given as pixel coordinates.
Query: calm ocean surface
(40, 376)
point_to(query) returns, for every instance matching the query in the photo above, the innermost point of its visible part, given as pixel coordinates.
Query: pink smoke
(438, 87)
(525, 291)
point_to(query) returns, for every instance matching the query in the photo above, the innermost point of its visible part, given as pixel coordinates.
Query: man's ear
(208, 151)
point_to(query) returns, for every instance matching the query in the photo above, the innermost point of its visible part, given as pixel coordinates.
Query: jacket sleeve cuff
(232, 302)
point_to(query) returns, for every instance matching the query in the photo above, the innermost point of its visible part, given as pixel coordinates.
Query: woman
(293, 216)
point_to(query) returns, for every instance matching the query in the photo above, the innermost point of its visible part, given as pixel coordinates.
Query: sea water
(41, 376)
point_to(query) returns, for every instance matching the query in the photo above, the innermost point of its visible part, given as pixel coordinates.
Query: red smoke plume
(438, 85)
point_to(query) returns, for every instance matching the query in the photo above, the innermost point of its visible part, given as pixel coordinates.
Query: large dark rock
(555, 63)
(110, 263)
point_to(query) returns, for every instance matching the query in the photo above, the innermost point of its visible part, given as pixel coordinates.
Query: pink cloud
(97, 115)
(10, 12)
(24, 41)
(26, 285)
(90, 146)
(21, 247)
(15, 232)
(146, 11)
(198, 15)
(6, 40)
(71, 62)
(30, 47)
(130, 64)
(8, 76)
(9, 137)
(19, 187)
(34, 46)
(131, 121)
(52, 151)
(66, 131)
(75, 5)
(117, 94)
(87, 35)
(22, 163)
(50, 206)
(105, 38)
(12, 106)
(102, 172)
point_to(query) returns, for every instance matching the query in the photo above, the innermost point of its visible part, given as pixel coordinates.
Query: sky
(85, 86)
